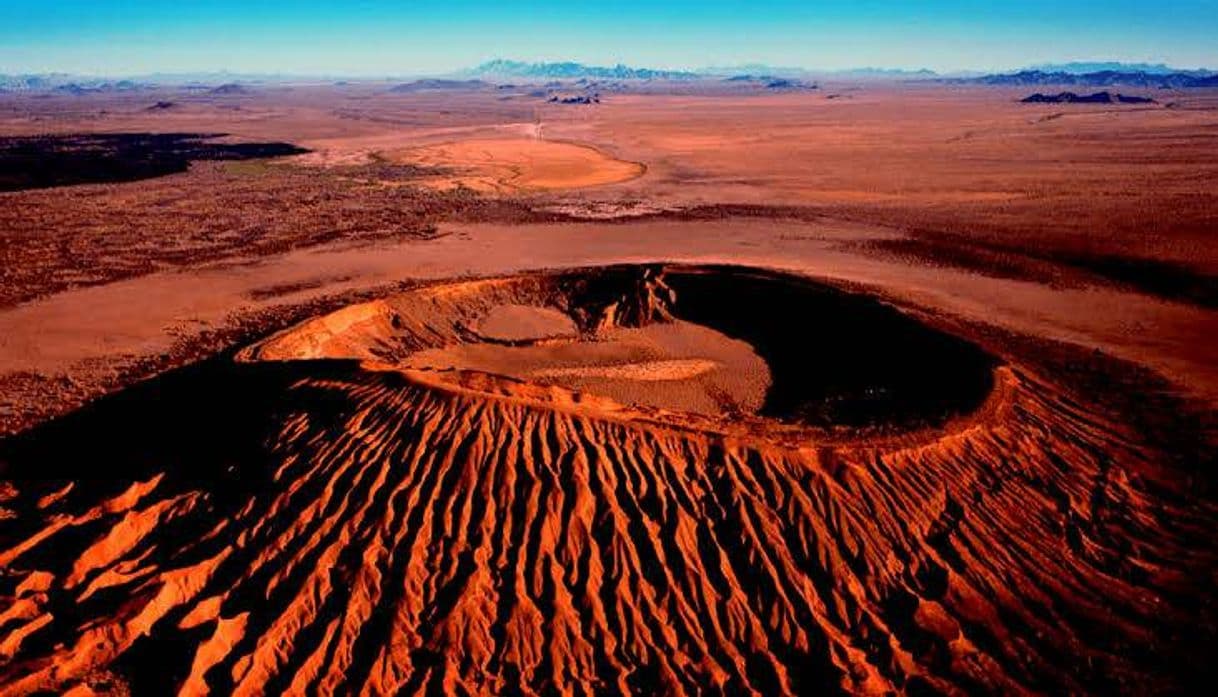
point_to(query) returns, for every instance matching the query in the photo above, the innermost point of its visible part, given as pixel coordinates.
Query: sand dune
(939, 521)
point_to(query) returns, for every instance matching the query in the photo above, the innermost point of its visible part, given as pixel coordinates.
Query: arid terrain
(455, 388)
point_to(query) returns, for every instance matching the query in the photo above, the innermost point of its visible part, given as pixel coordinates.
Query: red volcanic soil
(407, 495)
(925, 407)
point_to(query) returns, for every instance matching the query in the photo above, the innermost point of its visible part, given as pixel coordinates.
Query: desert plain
(870, 388)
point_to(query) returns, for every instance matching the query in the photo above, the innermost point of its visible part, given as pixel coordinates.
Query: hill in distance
(1090, 73)
(794, 73)
(567, 70)
(438, 84)
(570, 70)
(1084, 67)
(1103, 78)
(1097, 98)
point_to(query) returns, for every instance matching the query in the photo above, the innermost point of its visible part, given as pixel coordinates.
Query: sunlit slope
(367, 528)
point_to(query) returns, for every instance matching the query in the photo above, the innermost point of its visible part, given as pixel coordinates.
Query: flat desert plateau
(867, 389)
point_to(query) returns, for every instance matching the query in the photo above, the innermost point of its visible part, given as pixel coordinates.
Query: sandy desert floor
(866, 389)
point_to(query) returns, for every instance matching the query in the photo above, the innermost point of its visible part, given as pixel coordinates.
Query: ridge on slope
(357, 527)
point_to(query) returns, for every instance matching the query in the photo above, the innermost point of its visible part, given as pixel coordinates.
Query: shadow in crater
(837, 358)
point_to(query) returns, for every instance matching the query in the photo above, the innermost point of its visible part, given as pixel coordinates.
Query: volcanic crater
(638, 478)
(714, 341)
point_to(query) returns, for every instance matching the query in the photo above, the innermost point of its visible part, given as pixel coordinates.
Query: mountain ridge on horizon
(1103, 78)
(1076, 72)
(572, 69)
(1085, 67)
(504, 67)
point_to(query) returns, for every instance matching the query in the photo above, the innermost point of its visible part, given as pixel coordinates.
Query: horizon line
(697, 70)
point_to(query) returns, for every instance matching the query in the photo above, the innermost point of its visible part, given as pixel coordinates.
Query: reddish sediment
(370, 527)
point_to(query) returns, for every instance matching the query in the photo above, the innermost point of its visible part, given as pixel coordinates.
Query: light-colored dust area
(677, 365)
(360, 148)
(651, 371)
(506, 165)
(522, 323)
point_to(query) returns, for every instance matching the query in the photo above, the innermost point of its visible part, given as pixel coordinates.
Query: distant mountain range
(570, 70)
(84, 84)
(804, 73)
(503, 68)
(1084, 67)
(59, 82)
(437, 84)
(882, 73)
(1083, 74)
(1103, 78)
(746, 69)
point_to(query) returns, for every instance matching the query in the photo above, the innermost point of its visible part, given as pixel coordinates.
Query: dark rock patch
(40, 162)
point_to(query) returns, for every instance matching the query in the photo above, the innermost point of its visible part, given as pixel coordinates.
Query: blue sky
(372, 37)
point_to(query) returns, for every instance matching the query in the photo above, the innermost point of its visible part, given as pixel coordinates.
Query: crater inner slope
(711, 340)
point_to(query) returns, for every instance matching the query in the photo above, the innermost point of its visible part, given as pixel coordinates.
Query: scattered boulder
(594, 98)
(785, 84)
